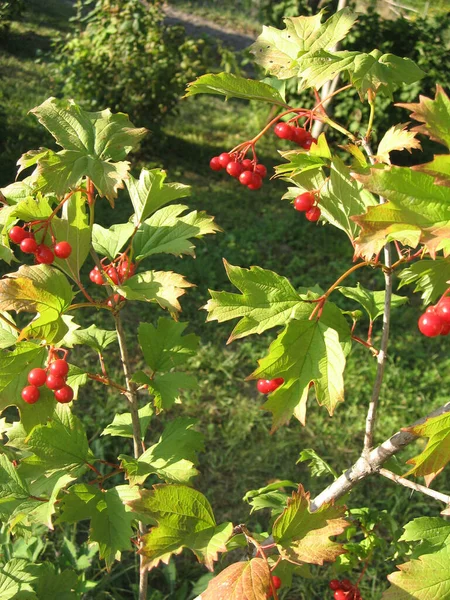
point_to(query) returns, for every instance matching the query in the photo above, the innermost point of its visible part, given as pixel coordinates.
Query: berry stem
(371, 118)
(106, 381)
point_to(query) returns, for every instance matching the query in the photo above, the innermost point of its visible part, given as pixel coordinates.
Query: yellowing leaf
(249, 580)
(396, 138)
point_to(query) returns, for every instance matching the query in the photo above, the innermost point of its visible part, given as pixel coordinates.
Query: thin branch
(415, 486)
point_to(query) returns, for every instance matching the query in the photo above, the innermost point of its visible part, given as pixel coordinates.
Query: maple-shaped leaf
(303, 536)
(430, 277)
(267, 300)
(168, 231)
(245, 580)
(437, 452)
(372, 302)
(166, 387)
(278, 51)
(52, 584)
(302, 161)
(417, 211)
(439, 168)
(434, 116)
(15, 580)
(121, 425)
(98, 339)
(185, 520)
(109, 242)
(306, 352)
(94, 145)
(429, 531)
(396, 138)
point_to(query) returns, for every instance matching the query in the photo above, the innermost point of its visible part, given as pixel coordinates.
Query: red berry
(256, 182)
(304, 202)
(214, 164)
(28, 245)
(445, 328)
(443, 309)
(126, 269)
(17, 234)
(234, 168)
(59, 368)
(64, 394)
(44, 255)
(112, 302)
(340, 595)
(246, 177)
(430, 324)
(335, 585)
(247, 164)
(346, 585)
(431, 308)
(284, 131)
(93, 275)
(308, 143)
(37, 377)
(63, 250)
(224, 159)
(30, 394)
(300, 135)
(263, 386)
(99, 278)
(261, 170)
(275, 383)
(113, 275)
(276, 582)
(313, 214)
(54, 382)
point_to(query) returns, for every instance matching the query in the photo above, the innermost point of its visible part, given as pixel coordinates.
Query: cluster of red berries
(266, 386)
(249, 172)
(306, 203)
(117, 275)
(345, 590)
(276, 582)
(298, 135)
(54, 377)
(43, 254)
(436, 319)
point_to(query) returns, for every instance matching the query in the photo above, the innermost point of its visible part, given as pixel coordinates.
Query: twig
(415, 486)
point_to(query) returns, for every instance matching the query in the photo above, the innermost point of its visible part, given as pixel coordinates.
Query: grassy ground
(258, 229)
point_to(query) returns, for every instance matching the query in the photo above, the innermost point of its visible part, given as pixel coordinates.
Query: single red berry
(430, 324)
(113, 275)
(431, 309)
(214, 164)
(246, 177)
(308, 143)
(112, 302)
(224, 159)
(305, 201)
(284, 131)
(98, 279)
(313, 214)
(28, 245)
(234, 168)
(346, 585)
(443, 309)
(30, 394)
(59, 367)
(340, 595)
(55, 382)
(335, 585)
(247, 164)
(300, 135)
(63, 250)
(37, 377)
(261, 170)
(276, 582)
(263, 386)
(17, 234)
(445, 329)
(256, 182)
(274, 384)
(44, 255)
(126, 269)
(93, 275)
(64, 394)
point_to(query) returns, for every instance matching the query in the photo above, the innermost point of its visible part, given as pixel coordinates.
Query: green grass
(258, 229)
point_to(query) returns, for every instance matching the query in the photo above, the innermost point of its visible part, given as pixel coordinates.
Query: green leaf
(95, 144)
(13, 490)
(372, 302)
(122, 424)
(234, 86)
(163, 287)
(316, 68)
(397, 138)
(51, 584)
(32, 208)
(185, 520)
(418, 211)
(8, 335)
(342, 198)
(168, 232)
(98, 339)
(166, 388)
(439, 168)
(172, 458)
(15, 578)
(269, 496)
(437, 452)
(267, 300)
(245, 580)
(278, 51)
(317, 465)
(304, 537)
(433, 531)
(430, 277)
(109, 242)
(305, 352)
(165, 346)
(17, 191)
(299, 161)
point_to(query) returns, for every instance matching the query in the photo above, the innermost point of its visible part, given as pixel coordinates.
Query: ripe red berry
(234, 168)
(214, 164)
(28, 245)
(246, 177)
(247, 164)
(442, 309)
(63, 250)
(276, 582)
(37, 377)
(54, 382)
(265, 386)
(44, 255)
(93, 275)
(300, 135)
(445, 328)
(112, 302)
(261, 170)
(340, 595)
(98, 279)
(335, 585)
(17, 234)
(59, 368)
(346, 585)
(113, 275)
(224, 159)
(64, 394)
(256, 182)
(304, 202)
(284, 131)
(430, 324)
(30, 394)
(275, 383)
(126, 269)
(308, 143)
(313, 214)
